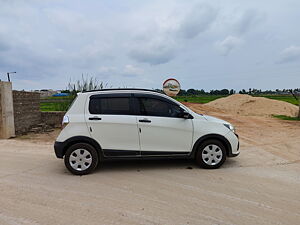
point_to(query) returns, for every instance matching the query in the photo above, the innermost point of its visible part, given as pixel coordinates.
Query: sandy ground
(261, 186)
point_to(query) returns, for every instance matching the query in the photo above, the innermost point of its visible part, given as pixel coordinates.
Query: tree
(191, 91)
(293, 92)
(243, 91)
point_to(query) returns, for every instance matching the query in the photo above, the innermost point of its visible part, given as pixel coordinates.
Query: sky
(205, 44)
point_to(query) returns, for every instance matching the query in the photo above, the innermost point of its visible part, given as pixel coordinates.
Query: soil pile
(253, 106)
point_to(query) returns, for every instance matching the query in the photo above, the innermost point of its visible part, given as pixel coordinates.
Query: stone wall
(52, 119)
(26, 110)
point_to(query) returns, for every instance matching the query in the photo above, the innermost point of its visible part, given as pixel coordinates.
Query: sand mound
(253, 106)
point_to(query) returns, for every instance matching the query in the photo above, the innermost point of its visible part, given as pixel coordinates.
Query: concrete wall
(7, 128)
(26, 110)
(52, 119)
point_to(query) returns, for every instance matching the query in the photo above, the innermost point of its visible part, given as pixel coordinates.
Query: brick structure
(26, 110)
(52, 119)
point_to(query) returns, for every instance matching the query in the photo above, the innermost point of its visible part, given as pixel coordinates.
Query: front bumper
(235, 145)
(59, 149)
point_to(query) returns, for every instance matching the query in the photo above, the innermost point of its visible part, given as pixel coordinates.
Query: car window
(156, 107)
(115, 106)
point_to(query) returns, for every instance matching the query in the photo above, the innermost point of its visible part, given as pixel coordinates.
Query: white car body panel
(117, 132)
(165, 134)
(234, 142)
(77, 124)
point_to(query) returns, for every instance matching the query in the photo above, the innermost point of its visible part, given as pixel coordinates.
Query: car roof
(122, 90)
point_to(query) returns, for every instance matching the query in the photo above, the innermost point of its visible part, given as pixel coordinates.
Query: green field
(55, 104)
(285, 98)
(198, 99)
(208, 98)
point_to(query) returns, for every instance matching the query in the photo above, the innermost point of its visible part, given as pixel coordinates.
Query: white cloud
(228, 44)
(289, 54)
(165, 36)
(107, 69)
(154, 53)
(130, 70)
(197, 20)
(3, 45)
(248, 20)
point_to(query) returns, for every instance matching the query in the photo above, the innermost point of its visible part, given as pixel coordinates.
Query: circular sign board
(171, 87)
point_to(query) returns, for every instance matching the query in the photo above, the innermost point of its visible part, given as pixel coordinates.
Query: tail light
(65, 122)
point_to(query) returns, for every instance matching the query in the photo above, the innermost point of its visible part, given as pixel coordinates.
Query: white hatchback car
(140, 123)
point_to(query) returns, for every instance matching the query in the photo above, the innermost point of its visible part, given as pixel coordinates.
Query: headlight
(230, 127)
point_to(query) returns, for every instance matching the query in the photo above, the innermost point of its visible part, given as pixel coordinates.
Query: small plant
(86, 83)
(283, 117)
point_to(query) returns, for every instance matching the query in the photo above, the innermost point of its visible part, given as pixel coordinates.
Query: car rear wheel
(211, 154)
(81, 159)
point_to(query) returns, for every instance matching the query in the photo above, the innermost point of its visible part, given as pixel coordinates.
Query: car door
(112, 124)
(162, 129)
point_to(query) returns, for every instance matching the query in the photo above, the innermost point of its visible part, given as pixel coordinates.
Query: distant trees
(221, 92)
(250, 91)
(203, 92)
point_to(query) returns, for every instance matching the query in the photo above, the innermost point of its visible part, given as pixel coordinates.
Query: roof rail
(124, 89)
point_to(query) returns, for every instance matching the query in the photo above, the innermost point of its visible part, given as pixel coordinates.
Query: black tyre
(211, 154)
(81, 159)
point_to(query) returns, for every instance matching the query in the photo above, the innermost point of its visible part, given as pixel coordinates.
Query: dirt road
(261, 186)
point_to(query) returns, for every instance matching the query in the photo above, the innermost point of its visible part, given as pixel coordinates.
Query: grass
(198, 99)
(283, 117)
(54, 106)
(61, 103)
(285, 98)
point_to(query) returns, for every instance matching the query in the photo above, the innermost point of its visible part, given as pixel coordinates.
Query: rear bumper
(59, 149)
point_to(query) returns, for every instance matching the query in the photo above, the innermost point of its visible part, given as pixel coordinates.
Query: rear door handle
(145, 121)
(95, 118)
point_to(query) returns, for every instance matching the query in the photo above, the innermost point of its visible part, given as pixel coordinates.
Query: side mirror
(186, 115)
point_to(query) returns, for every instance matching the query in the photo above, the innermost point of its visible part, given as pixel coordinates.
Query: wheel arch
(82, 139)
(218, 137)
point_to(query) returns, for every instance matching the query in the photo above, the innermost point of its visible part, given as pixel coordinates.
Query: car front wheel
(81, 159)
(211, 154)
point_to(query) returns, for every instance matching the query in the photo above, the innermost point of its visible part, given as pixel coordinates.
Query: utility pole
(8, 75)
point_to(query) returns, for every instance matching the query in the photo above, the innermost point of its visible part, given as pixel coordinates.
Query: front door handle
(95, 118)
(145, 121)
